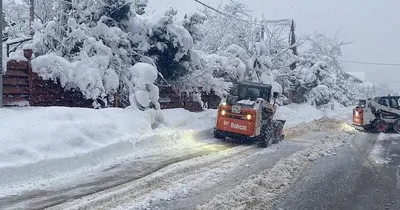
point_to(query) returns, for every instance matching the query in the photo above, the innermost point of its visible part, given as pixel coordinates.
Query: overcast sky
(372, 25)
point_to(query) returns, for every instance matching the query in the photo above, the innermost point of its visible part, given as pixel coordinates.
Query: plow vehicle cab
(380, 114)
(247, 114)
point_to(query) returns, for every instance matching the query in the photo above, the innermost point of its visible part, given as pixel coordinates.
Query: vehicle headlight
(249, 117)
(223, 112)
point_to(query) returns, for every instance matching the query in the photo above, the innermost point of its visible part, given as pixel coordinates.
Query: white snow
(87, 75)
(143, 97)
(379, 154)
(261, 190)
(319, 93)
(398, 177)
(361, 75)
(18, 56)
(143, 77)
(296, 114)
(35, 134)
(39, 142)
(52, 141)
(183, 37)
(145, 73)
(246, 102)
(198, 175)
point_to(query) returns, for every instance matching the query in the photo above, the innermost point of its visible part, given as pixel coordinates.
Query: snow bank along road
(61, 154)
(365, 174)
(212, 176)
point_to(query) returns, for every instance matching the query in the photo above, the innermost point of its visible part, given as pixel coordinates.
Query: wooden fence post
(28, 55)
(116, 99)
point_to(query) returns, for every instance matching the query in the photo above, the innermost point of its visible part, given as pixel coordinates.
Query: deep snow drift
(41, 142)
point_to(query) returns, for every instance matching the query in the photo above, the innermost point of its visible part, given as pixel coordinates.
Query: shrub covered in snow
(145, 93)
(101, 48)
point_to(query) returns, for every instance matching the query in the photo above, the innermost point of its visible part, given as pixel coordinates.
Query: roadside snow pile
(181, 118)
(44, 141)
(260, 191)
(324, 124)
(34, 134)
(296, 114)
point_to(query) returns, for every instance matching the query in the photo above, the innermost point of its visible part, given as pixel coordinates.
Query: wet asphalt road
(351, 179)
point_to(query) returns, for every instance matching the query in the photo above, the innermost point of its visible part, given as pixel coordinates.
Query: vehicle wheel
(218, 135)
(381, 126)
(278, 134)
(396, 126)
(266, 136)
(369, 128)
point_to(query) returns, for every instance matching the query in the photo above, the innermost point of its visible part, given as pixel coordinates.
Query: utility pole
(1, 54)
(31, 16)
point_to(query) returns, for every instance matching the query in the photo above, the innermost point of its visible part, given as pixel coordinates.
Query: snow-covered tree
(103, 40)
(320, 79)
(169, 46)
(327, 49)
(221, 31)
(16, 15)
(192, 23)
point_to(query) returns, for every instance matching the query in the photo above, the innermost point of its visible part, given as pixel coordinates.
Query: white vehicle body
(379, 114)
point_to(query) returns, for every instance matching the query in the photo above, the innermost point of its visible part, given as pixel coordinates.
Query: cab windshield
(252, 93)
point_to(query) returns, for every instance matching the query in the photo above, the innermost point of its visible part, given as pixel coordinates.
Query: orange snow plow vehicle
(247, 115)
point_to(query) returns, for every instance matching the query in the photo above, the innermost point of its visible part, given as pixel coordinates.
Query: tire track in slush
(171, 176)
(126, 192)
(142, 193)
(111, 177)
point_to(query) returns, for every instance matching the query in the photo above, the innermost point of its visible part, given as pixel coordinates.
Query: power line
(278, 21)
(371, 63)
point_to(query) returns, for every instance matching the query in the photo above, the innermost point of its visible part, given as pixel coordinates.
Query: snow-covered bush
(320, 95)
(192, 24)
(145, 94)
(209, 72)
(99, 44)
(169, 44)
